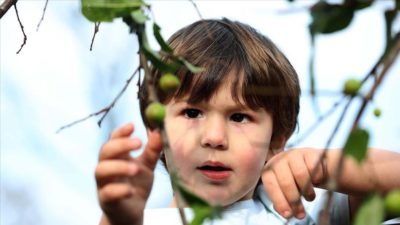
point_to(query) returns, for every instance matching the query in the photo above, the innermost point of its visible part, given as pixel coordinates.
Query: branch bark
(5, 6)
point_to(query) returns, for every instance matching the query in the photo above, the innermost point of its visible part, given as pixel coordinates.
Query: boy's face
(218, 147)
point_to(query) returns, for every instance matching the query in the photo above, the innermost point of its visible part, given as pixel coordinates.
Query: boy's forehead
(222, 96)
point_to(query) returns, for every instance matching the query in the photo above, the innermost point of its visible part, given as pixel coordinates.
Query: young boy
(227, 128)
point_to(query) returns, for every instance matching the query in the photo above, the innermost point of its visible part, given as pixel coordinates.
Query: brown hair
(264, 75)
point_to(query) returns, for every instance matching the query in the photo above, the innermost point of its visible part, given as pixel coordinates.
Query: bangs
(196, 88)
(224, 60)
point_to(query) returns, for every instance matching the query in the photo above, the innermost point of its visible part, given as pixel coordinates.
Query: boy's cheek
(252, 161)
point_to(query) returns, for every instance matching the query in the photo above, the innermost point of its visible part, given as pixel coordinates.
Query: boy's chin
(217, 199)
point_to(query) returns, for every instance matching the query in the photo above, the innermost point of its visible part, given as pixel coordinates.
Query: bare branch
(96, 29)
(22, 28)
(166, 149)
(387, 63)
(317, 122)
(41, 19)
(83, 119)
(118, 96)
(197, 8)
(105, 110)
(5, 6)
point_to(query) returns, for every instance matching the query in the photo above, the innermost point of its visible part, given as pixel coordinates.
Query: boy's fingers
(114, 192)
(123, 131)
(119, 147)
(289, 188)
(152, 150)
(287, 183)
(108, 170)
(320, 174)
(274, 191)
(302, 176)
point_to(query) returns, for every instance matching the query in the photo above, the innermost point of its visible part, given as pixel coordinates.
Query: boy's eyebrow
(234, 107)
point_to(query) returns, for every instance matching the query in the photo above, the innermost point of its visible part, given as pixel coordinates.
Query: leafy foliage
(328, 18)
(108, 10)
(371, 212)
(357, 144)
(201, 209)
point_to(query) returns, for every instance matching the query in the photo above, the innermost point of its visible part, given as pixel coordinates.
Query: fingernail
(301, 215)
(287, 214)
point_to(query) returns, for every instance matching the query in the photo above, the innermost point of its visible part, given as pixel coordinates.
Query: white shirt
(258, 210)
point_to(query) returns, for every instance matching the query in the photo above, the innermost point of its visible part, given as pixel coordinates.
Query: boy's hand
(124, 182)
(285, 178)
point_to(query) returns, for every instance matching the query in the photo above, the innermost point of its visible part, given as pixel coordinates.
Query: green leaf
(191, 67)
(163, 44)
(371, 212)
(191, 199)
(155, 58)
(203, 213)
(139, 17)
(107, 10)
(328, 18)
(357, 144)
(358, 4)
(201, 209)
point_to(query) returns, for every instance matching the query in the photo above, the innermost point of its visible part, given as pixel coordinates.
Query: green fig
(169, 82)
(351, 87)
(377, 112)
(155, 113)
(392, 203)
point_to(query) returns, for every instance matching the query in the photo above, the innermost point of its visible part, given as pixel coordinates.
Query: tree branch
(105, 110)
(5, 6)
(96, 29)
(22, 28)
(41, 19)
(197, 8)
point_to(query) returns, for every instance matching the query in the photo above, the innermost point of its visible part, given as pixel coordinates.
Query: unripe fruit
(351, 87)
(155, 113)
(377, 112)
(169, 82)
(392, 203)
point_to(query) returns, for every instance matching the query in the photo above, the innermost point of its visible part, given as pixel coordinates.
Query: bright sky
(47, 178)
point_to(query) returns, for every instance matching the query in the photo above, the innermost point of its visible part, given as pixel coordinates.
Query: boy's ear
(276, 146)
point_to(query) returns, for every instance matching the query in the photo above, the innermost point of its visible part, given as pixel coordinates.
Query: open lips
(215, 171)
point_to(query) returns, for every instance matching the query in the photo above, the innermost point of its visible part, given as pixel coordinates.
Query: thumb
(152, 149)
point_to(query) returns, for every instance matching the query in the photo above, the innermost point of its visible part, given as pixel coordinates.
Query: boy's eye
(192, 113)
(239, 117)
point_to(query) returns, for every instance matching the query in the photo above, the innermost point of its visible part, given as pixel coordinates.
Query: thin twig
(388, 62)
(105, 110)
(83, 119)
(22, 28)
(153, 97)
(197, 8)
(317, 122)
(96, 29)
(41, 19)
(5, 6)
(332, 182)
(321, 160)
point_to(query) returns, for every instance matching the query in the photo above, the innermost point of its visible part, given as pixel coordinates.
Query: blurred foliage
(326, 18)
(357, 144)
(371, 211)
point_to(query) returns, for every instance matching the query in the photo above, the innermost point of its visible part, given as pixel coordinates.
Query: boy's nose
(214, 134)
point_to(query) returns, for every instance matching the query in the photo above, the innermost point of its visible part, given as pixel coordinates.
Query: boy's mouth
(215, 171)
